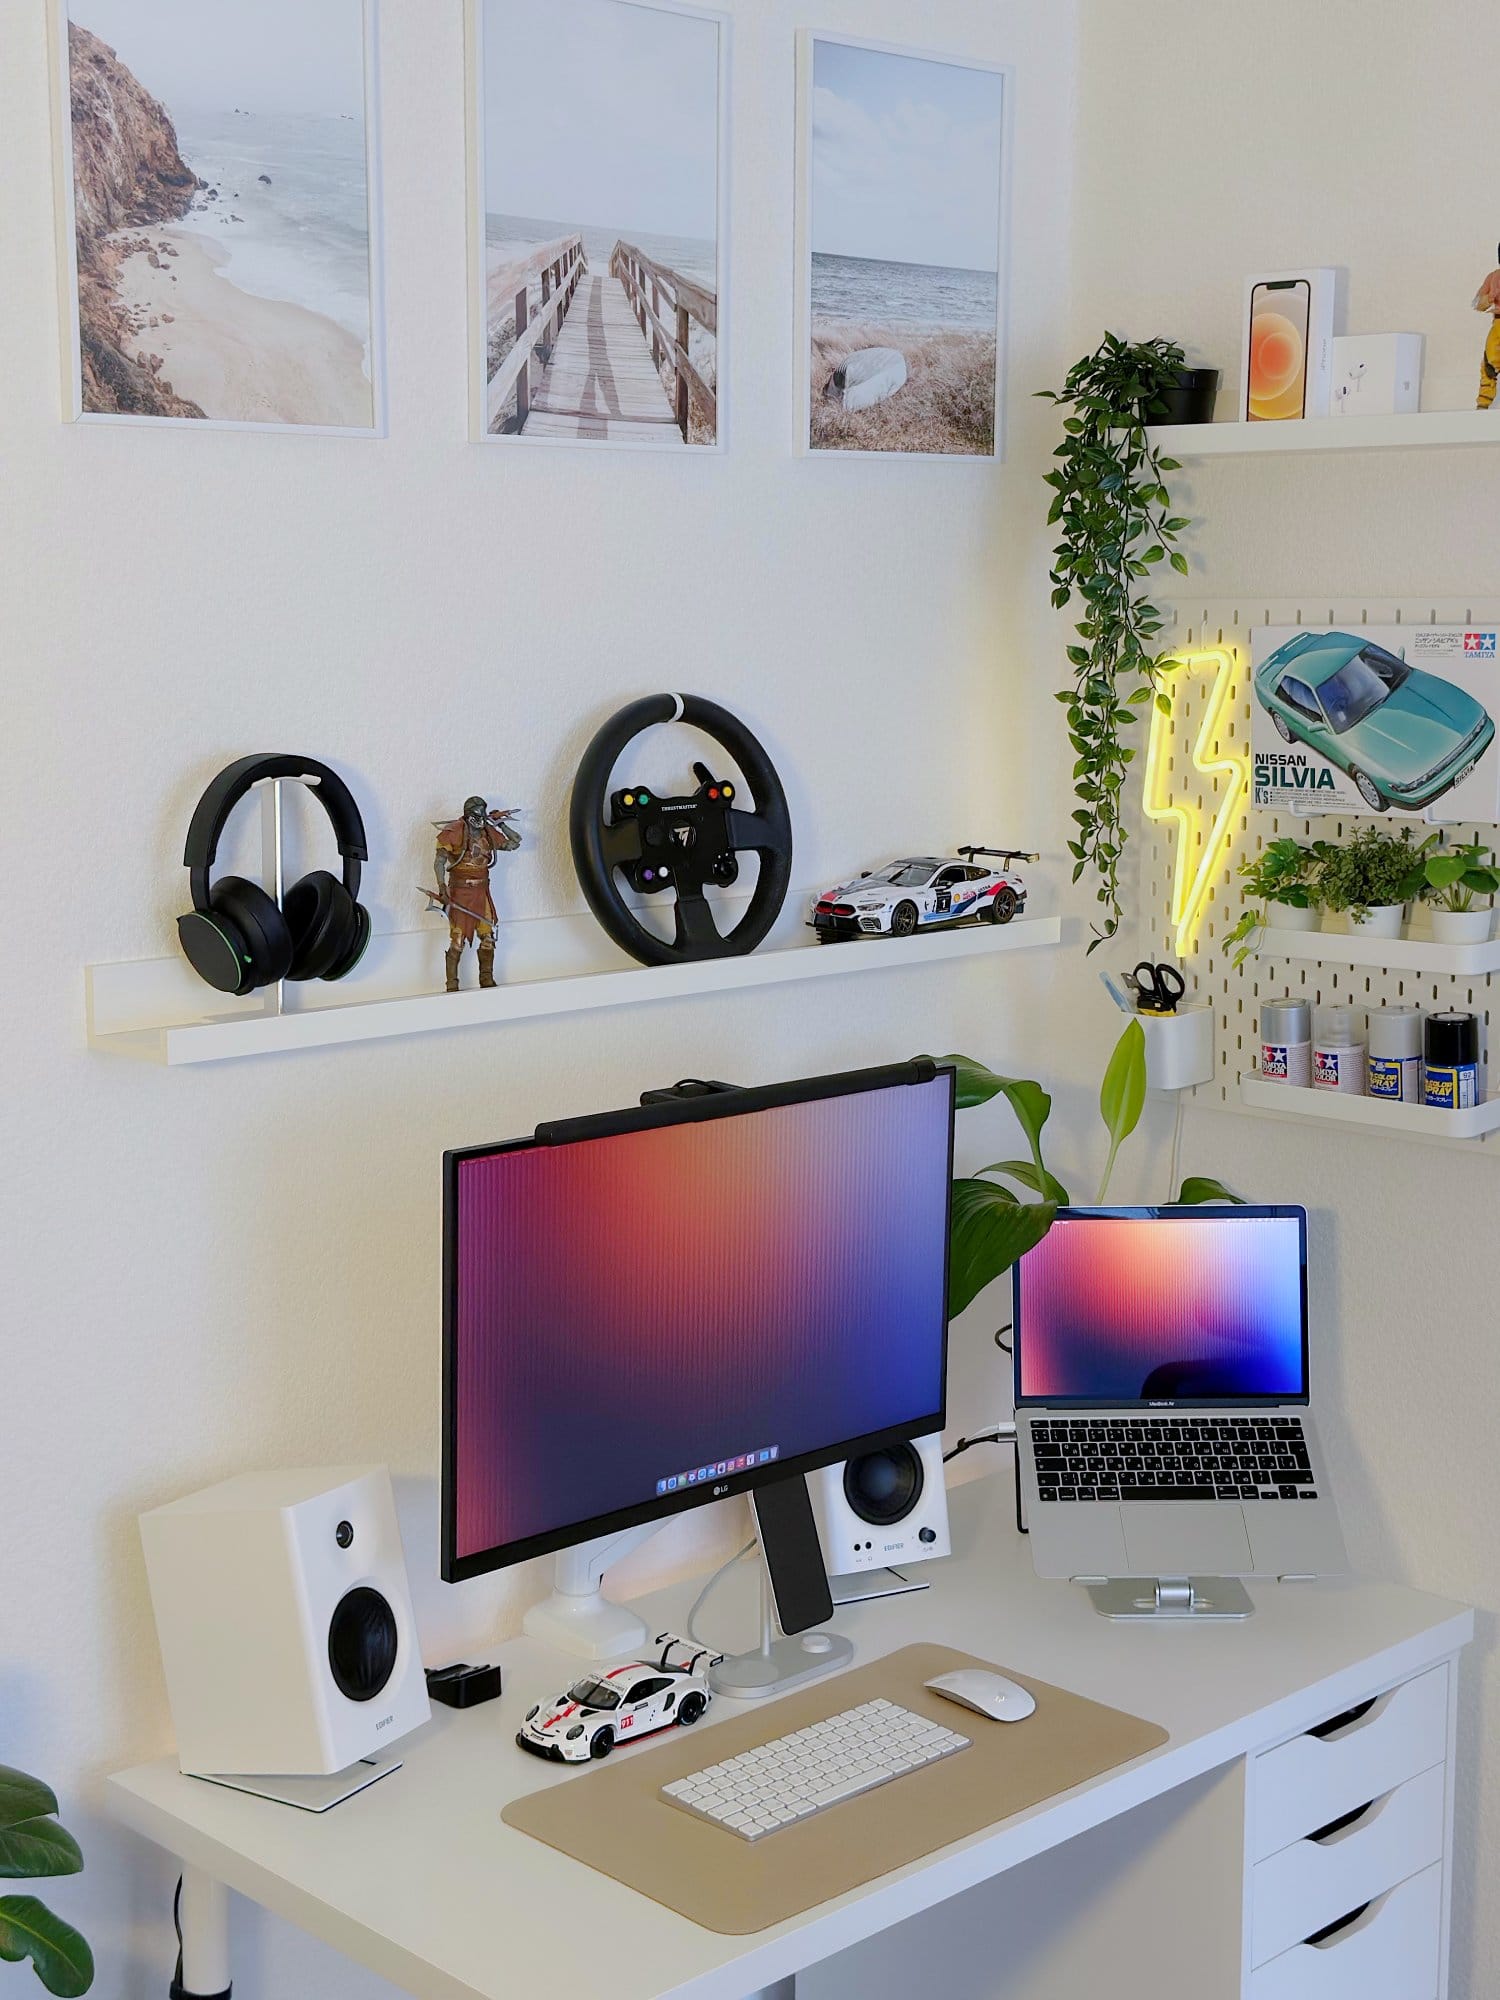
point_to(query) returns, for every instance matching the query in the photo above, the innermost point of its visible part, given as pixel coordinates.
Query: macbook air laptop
(1163, 1407)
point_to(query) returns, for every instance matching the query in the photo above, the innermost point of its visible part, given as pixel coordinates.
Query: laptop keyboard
(1171, 1458)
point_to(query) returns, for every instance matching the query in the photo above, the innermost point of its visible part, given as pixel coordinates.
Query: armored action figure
(466, 851)
(1487, 300)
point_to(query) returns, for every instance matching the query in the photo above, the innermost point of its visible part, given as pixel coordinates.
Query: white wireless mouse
(987, 1694)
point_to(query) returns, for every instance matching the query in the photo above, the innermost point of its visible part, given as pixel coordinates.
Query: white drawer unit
(1315, 1882)
(1315, 1779)
(1390, 1951)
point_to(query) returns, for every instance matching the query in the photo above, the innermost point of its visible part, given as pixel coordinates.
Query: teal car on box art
(1404, 737)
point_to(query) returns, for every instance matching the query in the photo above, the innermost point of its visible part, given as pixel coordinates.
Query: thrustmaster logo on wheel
(684, 847)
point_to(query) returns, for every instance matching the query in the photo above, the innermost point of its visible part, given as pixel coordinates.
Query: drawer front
(1389, 1953)
(1315, 1882)
(1302, 1785)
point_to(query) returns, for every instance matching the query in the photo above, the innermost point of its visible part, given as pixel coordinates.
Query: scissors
(1158, 988)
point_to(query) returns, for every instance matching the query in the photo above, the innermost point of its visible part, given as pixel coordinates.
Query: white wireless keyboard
(792, 1777)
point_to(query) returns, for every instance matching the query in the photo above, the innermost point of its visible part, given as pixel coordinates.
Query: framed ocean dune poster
(902, 189)
(218, 171)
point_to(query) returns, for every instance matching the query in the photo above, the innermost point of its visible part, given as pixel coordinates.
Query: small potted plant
(1283, 878)
(1453, 878)
(1369, 879)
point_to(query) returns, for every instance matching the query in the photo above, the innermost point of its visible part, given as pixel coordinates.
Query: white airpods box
(1376, 374)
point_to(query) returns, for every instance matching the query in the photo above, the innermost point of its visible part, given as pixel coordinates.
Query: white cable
(702, 1598)
(1176, 1150)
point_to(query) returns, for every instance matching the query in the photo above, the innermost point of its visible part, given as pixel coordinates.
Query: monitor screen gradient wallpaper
(1145, 1308)
(632, 1311)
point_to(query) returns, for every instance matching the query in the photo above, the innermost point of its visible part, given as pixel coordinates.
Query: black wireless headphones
(237, 936)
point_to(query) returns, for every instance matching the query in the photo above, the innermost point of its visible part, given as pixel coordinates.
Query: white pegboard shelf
(1420, 428)
(1418, 954)
(151, 1010)
(1411, 1121)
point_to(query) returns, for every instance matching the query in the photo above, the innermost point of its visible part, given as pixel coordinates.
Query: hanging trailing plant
(1117, 525)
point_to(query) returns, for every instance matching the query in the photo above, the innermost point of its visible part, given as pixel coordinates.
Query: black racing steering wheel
(683, 844)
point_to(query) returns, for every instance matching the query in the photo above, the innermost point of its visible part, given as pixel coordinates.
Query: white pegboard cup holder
(1179, 1047)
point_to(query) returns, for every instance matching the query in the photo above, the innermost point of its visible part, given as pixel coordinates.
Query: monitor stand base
(1197, 1597)
(578, 1618)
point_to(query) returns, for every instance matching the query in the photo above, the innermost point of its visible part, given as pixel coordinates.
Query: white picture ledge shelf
(1418, 954)
(1420, 428)
(152, 1009)
(1411, 1121)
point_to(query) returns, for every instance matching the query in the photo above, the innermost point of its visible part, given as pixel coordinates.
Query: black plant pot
(1191, 401)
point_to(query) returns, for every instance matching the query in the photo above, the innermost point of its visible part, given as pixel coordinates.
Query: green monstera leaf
(63, 1961)
(991, 1229)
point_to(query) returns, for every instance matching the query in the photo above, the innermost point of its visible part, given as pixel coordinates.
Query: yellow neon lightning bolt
(1190, 886)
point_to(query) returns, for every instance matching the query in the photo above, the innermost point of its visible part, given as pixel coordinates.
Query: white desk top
(418, 1879)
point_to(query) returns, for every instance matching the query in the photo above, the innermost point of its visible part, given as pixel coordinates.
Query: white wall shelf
(151, 1010)
(1422, 427)
(1411, 1121)
(1418, 954)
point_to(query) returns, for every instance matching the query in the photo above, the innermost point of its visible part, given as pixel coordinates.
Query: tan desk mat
(611, 1818)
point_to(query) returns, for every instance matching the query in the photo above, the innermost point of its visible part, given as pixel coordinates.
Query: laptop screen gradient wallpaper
(635, 1309)
(1145, 1308)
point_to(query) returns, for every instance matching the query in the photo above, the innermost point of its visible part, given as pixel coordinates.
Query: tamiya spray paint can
(1450, 1073)
(1338, 1054)
(1395, 1054)
(1286, 1041)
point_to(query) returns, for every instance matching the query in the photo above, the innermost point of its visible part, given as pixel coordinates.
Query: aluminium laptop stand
(1165, 1597)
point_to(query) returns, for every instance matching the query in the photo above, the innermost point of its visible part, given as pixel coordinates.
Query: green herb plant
(1116, 525)
(992, 1224)
(1284, 872)
(1371, 871)
(1452, 877)
(33, 1844)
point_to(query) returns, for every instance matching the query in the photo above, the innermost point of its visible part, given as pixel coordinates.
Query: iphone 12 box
(1289, 329)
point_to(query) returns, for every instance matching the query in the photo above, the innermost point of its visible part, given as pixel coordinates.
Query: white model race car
(617, 1704)
(914, 895)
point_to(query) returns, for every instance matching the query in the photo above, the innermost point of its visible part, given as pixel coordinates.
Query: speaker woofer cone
(882, 1487)
(362, 1644)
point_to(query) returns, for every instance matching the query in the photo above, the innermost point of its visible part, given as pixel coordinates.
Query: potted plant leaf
(1283, 878)
(1115, 519)
(993, 1225)
(32, 1845)
(1369, 879)
(1453, 880)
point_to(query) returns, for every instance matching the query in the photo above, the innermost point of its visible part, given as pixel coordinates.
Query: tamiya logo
(1479, 645)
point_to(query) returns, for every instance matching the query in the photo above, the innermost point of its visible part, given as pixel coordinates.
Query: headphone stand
(273, 859)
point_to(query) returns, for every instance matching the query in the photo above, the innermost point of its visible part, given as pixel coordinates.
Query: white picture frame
(73, 396)
(493, 398)
(992, 323)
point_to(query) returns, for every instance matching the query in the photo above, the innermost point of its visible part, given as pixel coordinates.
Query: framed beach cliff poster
(598, 223)
(901, 260)
(220, 196)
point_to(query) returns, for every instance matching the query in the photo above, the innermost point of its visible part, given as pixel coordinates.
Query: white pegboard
(1235, 996)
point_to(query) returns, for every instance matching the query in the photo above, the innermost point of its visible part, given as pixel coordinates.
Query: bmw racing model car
(915, 895)
(1403, 737)
(620, 1703)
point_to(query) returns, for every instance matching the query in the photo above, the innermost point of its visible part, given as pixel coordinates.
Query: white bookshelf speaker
(884, 1508)
(285, 1622)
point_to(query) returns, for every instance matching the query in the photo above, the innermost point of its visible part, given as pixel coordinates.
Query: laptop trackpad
(1185, 1538)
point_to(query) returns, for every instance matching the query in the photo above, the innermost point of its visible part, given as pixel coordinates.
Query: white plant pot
(1287, 917)
(1383, 921)
(1461, 926)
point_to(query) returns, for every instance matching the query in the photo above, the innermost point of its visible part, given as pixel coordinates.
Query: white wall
(210, 1270)
(1338, 134)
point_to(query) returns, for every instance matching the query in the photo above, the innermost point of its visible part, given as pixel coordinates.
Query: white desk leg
(205, 1938)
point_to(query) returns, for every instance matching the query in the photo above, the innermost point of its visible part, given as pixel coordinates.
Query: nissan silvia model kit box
(1376, 719)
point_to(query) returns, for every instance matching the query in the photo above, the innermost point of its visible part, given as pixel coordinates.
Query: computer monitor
(1177, 1306)
(652, 1309)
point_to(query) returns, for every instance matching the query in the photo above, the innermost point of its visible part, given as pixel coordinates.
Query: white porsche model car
(914, 895)
(617, 1704)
